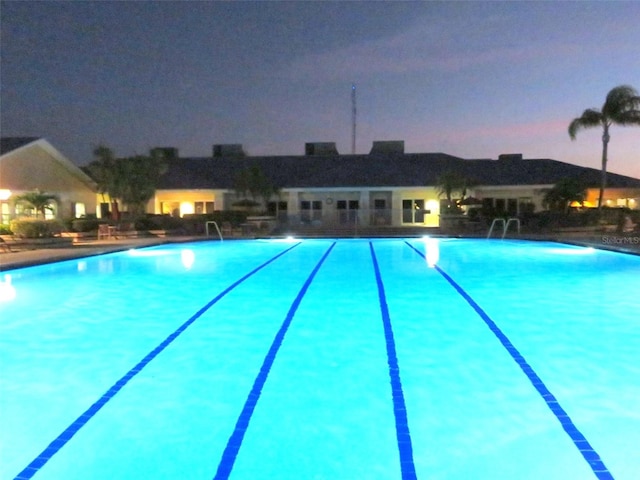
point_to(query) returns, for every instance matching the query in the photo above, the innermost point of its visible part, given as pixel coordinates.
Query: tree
(104, 172)
(139, 179)
(254, 182)
(130, 180)
(39, 201)
(447, 184)
(564, 192)
(101, 171)
(621, 107)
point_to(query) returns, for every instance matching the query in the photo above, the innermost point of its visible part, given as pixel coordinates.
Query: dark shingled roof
(8, 144)
(390, 170)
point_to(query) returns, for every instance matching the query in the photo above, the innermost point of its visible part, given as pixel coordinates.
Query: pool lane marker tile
(590, 455)
(62, 439)
(405, 447)
(235, 440)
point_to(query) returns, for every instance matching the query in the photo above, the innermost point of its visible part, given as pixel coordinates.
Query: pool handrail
(215, 224)
(505, 225)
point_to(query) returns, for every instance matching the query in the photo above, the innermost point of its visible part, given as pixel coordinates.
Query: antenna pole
(353, 118)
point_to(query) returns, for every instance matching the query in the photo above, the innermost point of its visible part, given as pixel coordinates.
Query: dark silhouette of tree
(130, 180)
(563, 193)
(449, 183)
(621, 107)
(254, 183)
(101, 170)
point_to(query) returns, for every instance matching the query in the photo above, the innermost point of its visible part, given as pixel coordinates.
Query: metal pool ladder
(206, 226)
(505, 225)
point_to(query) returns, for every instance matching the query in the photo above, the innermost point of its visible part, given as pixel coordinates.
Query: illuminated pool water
(323, 359)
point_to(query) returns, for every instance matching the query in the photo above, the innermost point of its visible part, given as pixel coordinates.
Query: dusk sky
(471, 79)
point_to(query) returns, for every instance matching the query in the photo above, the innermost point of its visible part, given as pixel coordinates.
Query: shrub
(547, 220)
(85, 224)
(4, 229)
(36, 228)
(158, 222)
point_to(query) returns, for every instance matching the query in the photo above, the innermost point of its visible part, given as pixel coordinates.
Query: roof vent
(228, 150)
(387, 147)
(320, 148)
(510, 156)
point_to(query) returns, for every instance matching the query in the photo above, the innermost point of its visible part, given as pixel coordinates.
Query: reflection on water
(7, 291)
(432, 251)
(188, 258)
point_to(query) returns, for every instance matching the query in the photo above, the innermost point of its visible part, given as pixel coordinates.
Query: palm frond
(619, 100)
(589, 118)
(631, 117)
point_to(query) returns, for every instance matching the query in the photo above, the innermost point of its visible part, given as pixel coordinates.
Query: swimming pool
(323, 359)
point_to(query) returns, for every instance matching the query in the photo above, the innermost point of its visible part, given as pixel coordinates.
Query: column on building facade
(293, 206)
(364, 215)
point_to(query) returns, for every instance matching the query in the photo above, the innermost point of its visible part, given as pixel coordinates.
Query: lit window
(79, 210)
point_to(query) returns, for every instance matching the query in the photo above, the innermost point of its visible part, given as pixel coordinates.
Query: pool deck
(19, 258)
(626, 243)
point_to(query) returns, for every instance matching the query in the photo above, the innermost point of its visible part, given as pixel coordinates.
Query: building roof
(379, 170)
(8, 144)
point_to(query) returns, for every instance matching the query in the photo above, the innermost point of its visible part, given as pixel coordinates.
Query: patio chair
(5, 246)
(125, 230)
(104, 231)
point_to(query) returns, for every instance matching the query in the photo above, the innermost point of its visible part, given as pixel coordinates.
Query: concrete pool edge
(628, 244)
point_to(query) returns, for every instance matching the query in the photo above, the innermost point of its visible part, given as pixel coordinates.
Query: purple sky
(473, 79)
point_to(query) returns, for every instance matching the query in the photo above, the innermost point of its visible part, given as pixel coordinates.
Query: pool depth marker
(235, 440)
(590, 455)
(62, 439)
(403, 435)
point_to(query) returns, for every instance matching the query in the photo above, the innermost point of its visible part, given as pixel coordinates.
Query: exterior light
(433, 205)
(5, 194)
(186, 208)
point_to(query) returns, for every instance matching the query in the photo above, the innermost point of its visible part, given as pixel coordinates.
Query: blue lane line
(590, 455)
(62, 439)
(405, 447)
(235, 440)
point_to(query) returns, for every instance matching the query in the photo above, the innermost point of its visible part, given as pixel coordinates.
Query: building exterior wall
(39, 166)
(184, 202)
(364, 206)
(416, 207)
(521, 195)
(616, 197)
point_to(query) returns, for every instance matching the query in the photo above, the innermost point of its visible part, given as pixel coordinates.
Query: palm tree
(39, 201)
(621, 107)
(448, 183)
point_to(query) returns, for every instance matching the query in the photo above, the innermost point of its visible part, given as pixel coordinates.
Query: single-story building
(322, 187)
(31, 163)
